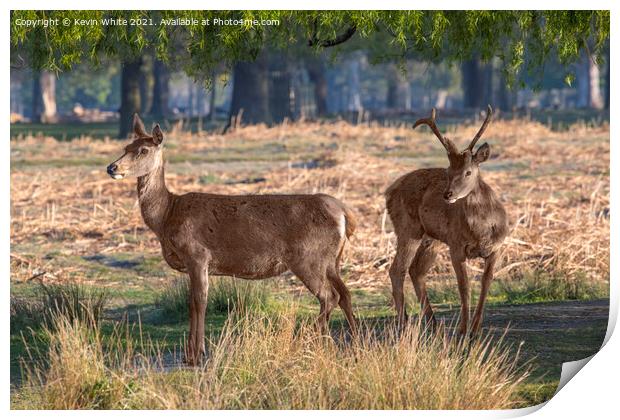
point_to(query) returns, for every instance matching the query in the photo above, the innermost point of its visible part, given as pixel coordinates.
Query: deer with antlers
(454, 206)
(246, 236)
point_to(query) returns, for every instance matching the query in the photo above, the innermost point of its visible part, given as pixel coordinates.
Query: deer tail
(350, 221)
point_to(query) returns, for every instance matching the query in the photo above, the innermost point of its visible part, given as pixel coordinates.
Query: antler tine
(431, 123)
(486, 122)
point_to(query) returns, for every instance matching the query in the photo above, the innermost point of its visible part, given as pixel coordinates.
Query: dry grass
(273, 363)
(555, 186)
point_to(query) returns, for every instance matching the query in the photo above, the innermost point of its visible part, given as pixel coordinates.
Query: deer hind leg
(344, 300)
(328, 299)
(321, 287)
(405, 250)
(458, 262)
(422, 262)
(487, 278)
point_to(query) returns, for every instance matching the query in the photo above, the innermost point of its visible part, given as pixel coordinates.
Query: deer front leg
(487, 278)
(189, 348)
(458, 262)
(198, 292)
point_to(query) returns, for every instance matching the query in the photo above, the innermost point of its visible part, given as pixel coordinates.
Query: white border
(594, 391)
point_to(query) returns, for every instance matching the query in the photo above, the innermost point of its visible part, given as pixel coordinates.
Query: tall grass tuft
(173, 300)
(277, 361)
(225, 295)
(73, 373)
(238, 296)
(25, 313)
(75, 301)
(266, 363)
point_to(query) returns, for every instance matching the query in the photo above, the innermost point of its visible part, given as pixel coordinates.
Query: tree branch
(343, 37)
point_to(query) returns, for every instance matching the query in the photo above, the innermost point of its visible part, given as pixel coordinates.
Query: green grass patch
(66, 131)
(533, 394)
(100, 130)
(541, 286)
(225, 296)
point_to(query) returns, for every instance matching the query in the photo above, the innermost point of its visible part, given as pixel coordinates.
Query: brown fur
(454, 206)
(246, 236)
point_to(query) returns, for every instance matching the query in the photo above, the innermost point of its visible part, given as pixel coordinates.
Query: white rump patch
(342, 226)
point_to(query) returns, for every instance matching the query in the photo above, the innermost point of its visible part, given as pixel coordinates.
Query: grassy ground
(544, 335)
(72, 224)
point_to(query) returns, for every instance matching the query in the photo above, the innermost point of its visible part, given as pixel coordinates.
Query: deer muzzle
(112, 171)
(449, 197)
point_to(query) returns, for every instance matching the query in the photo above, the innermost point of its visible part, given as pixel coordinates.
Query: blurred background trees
(352, 64)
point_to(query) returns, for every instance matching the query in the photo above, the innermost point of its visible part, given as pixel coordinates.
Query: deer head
(464, 171)
(142, 156)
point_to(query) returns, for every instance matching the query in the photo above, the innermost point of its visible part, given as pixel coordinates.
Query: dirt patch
(542, 317)
(550, 334)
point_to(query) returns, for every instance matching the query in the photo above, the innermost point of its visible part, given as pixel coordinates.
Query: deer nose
(448, 195)
(112, 169)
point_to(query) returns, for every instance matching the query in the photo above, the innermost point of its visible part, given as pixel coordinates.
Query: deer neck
(478, 197)
(155, 199)
(480, 204)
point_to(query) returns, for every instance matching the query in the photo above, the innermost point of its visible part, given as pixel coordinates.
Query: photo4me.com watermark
(119, 21)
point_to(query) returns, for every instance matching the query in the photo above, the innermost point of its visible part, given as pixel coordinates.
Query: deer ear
(482, 153)
(158, 135)
(138, 126)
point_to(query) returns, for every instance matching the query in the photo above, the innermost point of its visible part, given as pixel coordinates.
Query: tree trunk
(583, 85)
(279, 88)
(190, 98)
(144, 94)
(588, 84)
(486, 83)
(354, 97)
(250, 97)
(353, 84)
(399, 90)
(596, 99)
(470, 82)
(391, 100)
(37, 100)
(44, 97)
(505, 96)
(212, 98)
(317, 74)
(607, 85)
(161, 90)
(130, 94)
(200, 99)
(48, 96)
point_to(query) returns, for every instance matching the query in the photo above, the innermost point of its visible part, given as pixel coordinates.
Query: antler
(447, 143)
(486, 122)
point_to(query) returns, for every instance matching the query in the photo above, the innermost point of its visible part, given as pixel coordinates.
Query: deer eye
(144, 151)
(468, 173)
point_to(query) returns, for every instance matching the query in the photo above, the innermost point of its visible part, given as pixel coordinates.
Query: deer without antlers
(454, 206)
(246, 236)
